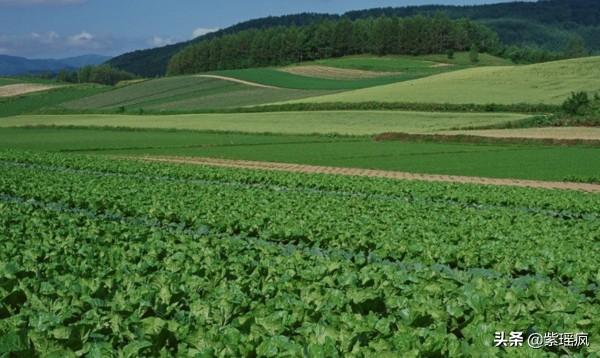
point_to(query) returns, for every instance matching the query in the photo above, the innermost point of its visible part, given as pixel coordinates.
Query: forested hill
(153, 62)
(547, 24)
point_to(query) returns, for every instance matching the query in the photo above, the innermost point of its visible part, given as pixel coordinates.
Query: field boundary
(314, 169)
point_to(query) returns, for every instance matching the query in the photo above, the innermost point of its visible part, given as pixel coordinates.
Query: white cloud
(158, 41)
(39, 2)
(202, 31)
(53, 44)
(80, 39)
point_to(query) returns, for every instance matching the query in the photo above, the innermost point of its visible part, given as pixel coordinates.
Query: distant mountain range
(13, 65)
(545, 24)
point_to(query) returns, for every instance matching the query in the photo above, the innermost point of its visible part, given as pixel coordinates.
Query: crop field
(186, 93)
(552, 163)
(278, 78)
(547, 83)
(329, 122)
(179, 260)
(34, 102)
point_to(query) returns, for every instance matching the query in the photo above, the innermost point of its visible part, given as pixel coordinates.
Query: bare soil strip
(334, 73)
(22, 88)
(558, 133)
(313, 169)
(231, 79)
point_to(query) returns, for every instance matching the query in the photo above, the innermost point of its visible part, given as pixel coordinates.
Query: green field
(500, 161)
(24, 79)
(410, 63)
(548, 83)
(185, 93)
(338, 122)
(103, 256)
(34, 102)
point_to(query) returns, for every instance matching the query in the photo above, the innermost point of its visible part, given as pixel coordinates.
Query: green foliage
(327, 39)
(474, 54)
(450, 54)
(103, 74)
(106, 257)
(578, 103)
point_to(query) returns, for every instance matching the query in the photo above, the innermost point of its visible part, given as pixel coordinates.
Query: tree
(474, 54)
(576, 48)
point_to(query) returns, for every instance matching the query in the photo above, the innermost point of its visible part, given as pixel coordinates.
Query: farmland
(529, 161)
(187, 92)
(548, 83)
(299, 202)
(330, 122)
(205, 275)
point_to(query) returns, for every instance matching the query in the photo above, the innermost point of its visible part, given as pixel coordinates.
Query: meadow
(329, 122)
(547, 83)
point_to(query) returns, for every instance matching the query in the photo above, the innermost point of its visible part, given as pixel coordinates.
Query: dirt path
(22, 88)
(300, 168)
(231, 79)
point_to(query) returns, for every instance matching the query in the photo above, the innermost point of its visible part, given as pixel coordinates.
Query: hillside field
(329, 122)
(547, 83)
(185, 93)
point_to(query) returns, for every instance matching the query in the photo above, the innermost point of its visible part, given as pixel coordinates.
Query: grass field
(340, 122)
(185, 93)
(499, 161)
(276, 78)
(35, 102)
(548, 83)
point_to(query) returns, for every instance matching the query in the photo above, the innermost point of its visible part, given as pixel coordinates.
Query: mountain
(13, 65)
(545, 24)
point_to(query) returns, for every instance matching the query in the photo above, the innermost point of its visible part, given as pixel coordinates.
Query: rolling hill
(548, 24)
(186, 93)
(548, 83)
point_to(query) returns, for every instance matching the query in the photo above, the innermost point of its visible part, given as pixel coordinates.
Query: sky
(63, 28)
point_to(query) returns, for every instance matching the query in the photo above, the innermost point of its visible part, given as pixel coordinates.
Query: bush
(577, 104)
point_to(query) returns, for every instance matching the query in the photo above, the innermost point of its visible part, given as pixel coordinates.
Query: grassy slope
(34, 102)
(24, 79)
(186, 93)
(410, 63)
(352, 122)
(505, 161)
(548, 83)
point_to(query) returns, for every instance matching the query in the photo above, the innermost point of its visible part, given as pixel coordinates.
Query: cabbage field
(105, 257)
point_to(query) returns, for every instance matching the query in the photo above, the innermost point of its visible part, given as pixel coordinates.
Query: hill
(549, 24)
(13, 65)
(548, 83)
(185, 93)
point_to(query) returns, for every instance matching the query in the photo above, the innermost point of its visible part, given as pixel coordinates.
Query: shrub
(578, 103)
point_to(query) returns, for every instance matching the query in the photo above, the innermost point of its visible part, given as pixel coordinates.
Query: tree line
(103, 74)
(387, 35)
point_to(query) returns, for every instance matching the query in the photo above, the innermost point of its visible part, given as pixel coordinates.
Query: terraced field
(549, 83)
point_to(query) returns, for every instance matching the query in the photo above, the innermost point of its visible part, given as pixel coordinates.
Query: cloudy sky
(61, 28)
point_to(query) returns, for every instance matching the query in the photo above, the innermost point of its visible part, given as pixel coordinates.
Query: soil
(313, 169)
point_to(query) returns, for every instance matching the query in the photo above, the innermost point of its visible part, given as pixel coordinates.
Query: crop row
(74, 285)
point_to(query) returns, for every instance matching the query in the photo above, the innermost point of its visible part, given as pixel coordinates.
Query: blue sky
(60, 28)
